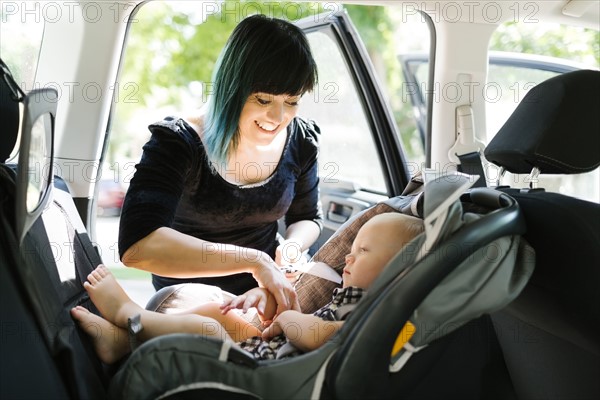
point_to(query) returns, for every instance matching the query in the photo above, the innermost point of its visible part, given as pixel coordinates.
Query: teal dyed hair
(262, 55)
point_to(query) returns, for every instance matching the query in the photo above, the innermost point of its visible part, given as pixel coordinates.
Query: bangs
(288, 71)
(279, 60)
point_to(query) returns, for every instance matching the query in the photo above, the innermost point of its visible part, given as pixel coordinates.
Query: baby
(378, 240)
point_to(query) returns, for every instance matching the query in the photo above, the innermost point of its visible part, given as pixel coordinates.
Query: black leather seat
(9, 109)
(550, 334)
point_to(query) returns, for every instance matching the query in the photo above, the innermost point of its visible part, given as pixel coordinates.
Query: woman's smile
(265, 115)
(268, 128)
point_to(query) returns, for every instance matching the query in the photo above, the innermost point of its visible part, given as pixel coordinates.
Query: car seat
(44, 354)
(550, 335)
(442, 282)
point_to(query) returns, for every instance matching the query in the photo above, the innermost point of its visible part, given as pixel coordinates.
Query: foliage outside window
(568, 43)
(172, 48)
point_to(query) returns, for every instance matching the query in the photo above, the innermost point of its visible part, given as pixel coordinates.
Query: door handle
(338, 213)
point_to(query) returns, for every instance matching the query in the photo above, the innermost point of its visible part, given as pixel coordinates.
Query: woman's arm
(305, 215)
(167, 252)
(305, 331)
(299, 236)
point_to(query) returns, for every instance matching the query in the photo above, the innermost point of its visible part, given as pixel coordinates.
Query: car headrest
(555, 128)
(10, 96)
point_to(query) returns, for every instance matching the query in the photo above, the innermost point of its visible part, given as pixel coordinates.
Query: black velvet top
(175, 186)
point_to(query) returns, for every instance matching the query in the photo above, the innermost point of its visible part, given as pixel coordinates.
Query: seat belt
(467, 149)
(471, 164)
(319, 269)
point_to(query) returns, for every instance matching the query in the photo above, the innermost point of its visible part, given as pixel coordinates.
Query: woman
(204, 202)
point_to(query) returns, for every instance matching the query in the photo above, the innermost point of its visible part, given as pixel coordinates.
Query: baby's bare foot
(110, 342)
(109, 297)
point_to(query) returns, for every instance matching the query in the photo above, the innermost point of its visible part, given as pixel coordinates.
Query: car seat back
(10, 96)
(550, 334)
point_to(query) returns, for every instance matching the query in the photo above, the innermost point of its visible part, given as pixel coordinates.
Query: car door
(361, 160)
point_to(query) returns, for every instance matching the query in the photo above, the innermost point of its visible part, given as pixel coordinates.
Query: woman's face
(265, 115)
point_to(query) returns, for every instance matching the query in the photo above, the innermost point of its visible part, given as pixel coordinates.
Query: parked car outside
(111, 194)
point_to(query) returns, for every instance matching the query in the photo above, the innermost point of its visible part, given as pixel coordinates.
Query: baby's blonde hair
(405, 226)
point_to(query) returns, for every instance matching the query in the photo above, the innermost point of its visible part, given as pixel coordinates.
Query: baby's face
(374, 246)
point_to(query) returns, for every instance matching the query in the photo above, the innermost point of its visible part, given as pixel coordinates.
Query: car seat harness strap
(224, 354)
(320, 378)
(407, 352)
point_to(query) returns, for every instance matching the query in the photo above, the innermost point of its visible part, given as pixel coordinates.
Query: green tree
(583, 44)
(167, 49)
(377, 27)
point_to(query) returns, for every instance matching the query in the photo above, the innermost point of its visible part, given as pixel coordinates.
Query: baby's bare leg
(238, 328)
(110, 342)
(110, 298)
(156, 324)
(117, 307)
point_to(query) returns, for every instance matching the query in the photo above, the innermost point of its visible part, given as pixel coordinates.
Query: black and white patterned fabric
(278, 347)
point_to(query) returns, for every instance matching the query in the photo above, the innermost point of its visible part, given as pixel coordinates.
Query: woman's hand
(268, 275)
(256, 298)
(288, 252)
(259, 298)
(289, 256)
(291, 272)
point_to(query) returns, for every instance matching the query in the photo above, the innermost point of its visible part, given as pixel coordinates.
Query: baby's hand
(279, 323)
(256, 297)
(272, 330)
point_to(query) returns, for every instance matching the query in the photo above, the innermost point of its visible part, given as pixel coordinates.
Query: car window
(20, 43)
(348, 151)
(510, 76)
(410, 33)
(514, 74)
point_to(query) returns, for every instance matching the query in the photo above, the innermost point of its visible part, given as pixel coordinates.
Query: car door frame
(344, 194)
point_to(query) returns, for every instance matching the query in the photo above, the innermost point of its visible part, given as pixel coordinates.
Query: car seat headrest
(10, 95)
(555, 128)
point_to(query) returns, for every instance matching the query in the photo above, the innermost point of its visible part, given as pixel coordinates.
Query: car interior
(497, 299)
